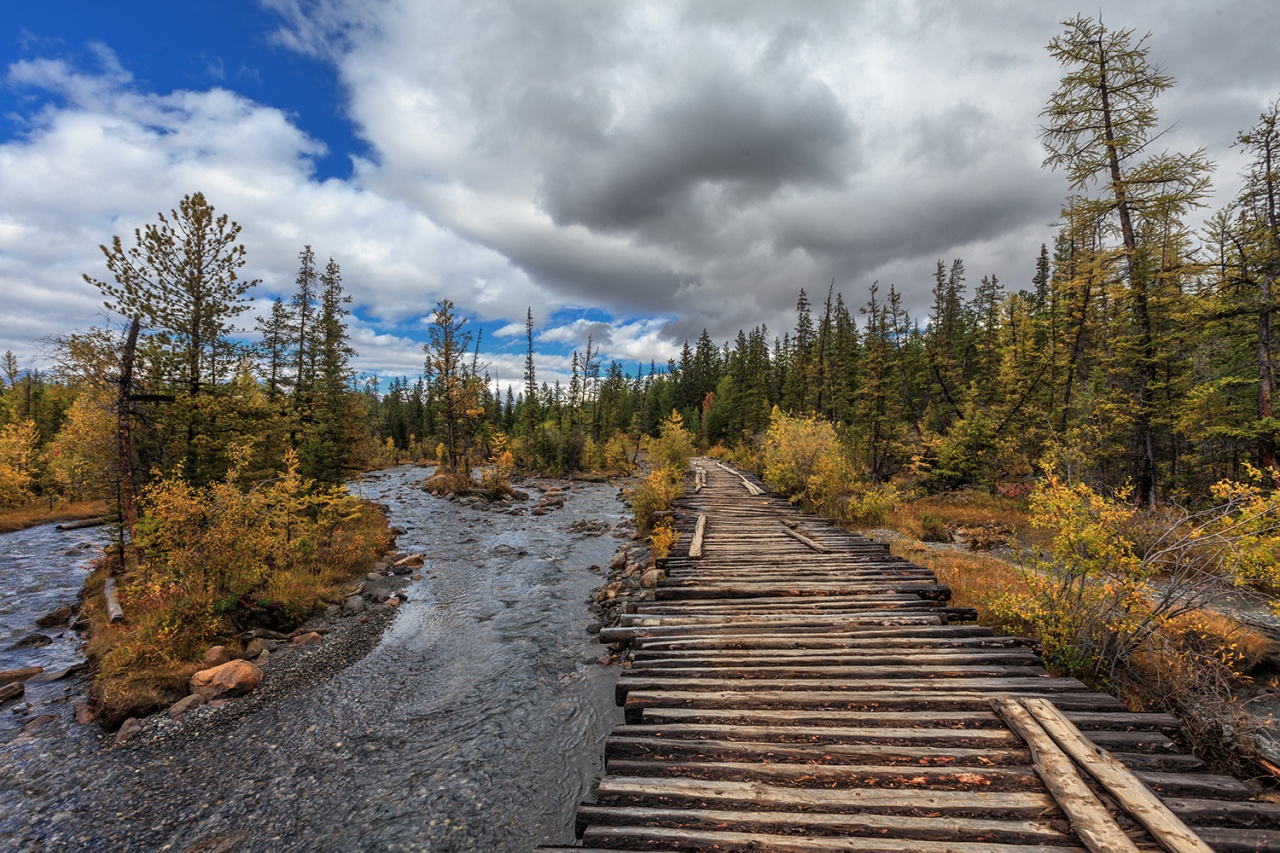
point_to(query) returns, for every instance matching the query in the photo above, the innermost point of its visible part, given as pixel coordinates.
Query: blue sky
(631, 171)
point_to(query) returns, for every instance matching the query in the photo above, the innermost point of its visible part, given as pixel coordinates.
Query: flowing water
(41, 568)
(476, 723)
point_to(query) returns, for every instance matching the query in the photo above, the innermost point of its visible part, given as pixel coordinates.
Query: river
(475, 724)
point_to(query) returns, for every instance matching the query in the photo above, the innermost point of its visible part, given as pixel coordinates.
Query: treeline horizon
(1137, 355)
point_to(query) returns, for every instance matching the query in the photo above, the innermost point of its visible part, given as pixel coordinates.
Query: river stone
(34, 640)
(37, 722)
(82, 711)
(182, 706)
(353, 605)
(216, 656)
(413, 561)
(398, 531)
(231, 679)
(12, 690)
(618, 560)
(308, 639)
(333, 611)
(253, 648)
(128, 729)
(56, 675)
(56, 618)
(22, 673)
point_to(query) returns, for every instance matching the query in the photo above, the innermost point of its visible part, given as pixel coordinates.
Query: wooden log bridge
(794, 687)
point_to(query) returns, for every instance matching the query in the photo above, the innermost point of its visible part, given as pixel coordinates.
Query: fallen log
(115, 612)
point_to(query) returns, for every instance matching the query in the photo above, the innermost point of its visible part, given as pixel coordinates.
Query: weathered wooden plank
(1108, 723)
(695, 547)
(787, 658)
(1042, 684)
(643, 837)
(638, 700)
(645, 791)
(1194, 810)
(1229, 840)
(806, 541)
(1132, 795)
(913, 755)
(837, 670)
(874, 825)
(1090, 820)
(844, 776)
(824, 734)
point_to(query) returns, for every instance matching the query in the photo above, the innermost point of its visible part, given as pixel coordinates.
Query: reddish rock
(234, 678)
(84, 715)
(216, 656)
(413, 561)
(13, 690)
(307, 639)
(652, 578)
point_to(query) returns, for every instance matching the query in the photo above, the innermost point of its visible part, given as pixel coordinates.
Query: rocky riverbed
(468, 718)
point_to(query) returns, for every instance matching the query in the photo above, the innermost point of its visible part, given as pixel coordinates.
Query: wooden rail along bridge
(796, 688)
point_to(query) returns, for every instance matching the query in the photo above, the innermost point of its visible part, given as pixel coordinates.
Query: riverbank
(36, 514)
(464, 719)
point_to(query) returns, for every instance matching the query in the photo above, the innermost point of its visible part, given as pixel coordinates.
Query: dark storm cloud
(747, 137)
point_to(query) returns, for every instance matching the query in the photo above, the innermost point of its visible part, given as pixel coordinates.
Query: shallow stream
(476, 723)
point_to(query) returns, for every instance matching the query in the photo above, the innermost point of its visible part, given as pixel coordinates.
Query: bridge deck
(797, 688)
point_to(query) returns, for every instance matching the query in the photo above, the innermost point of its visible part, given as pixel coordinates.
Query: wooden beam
(1089, 818)
(695, 548)
(1128, 790)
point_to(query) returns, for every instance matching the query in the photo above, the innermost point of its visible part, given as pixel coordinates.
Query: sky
(630, 171)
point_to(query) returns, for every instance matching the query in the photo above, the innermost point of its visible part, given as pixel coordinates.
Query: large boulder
(234, 678)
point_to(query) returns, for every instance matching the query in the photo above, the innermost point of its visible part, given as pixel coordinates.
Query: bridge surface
(795, 687)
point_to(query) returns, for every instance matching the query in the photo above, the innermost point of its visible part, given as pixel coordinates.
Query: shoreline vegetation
(38, 513)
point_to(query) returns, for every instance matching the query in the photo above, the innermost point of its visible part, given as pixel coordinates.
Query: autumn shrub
(653, 495)
(617, 454)
(1193, 664)
(663, 539)
(794, 450)
(673, 448)
(669, 455)
(933, 528)
(216, 560)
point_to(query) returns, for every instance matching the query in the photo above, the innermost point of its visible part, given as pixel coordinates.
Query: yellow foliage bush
(655, 494)
(218, 559)
(617, 454)
(673, 448)
(663, 539)
(795, 448)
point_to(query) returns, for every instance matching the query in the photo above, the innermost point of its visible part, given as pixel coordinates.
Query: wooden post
(124, 444)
